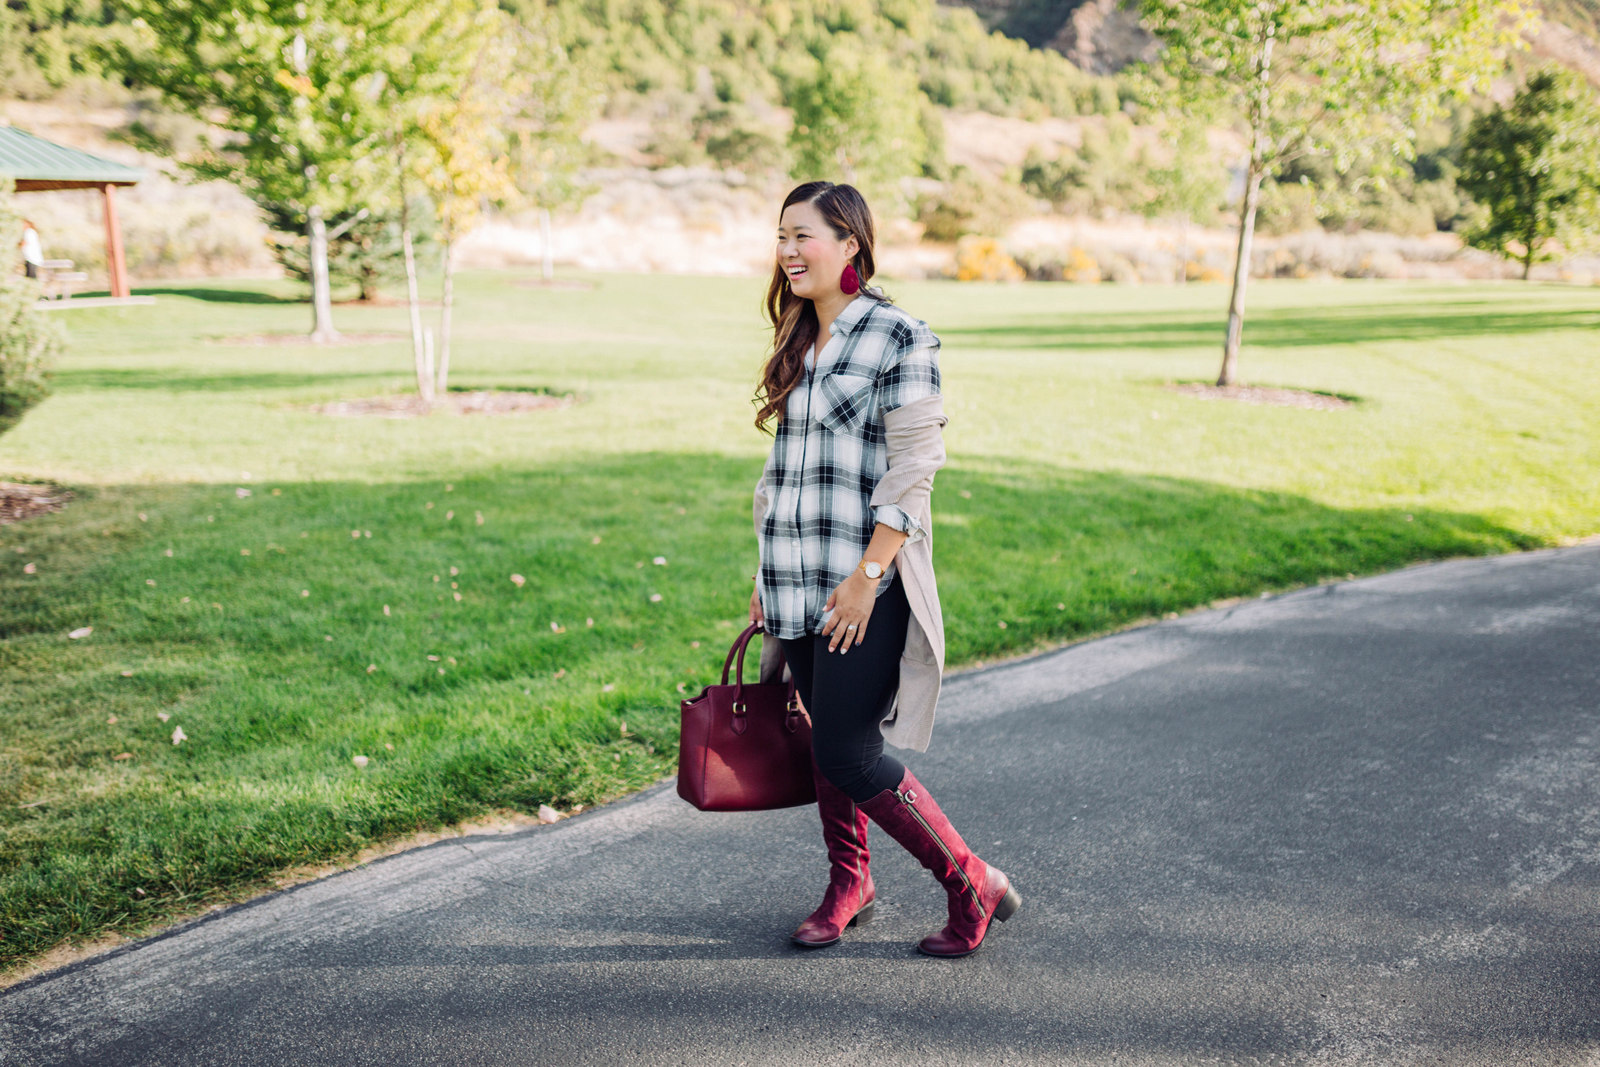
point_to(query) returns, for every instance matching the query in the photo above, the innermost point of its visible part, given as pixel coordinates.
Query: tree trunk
(422, 347)
(544, 244)
(447, 303)
(322, 329)
(1260, 112)
(1241, 275)
(421, 360)
(1183, 249)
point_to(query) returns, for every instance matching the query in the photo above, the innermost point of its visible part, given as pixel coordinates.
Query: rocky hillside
(1103, 36)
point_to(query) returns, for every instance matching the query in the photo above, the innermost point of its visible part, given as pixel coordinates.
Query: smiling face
(809, 253)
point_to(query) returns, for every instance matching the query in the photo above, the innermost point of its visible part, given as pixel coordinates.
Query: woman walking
(845, 583)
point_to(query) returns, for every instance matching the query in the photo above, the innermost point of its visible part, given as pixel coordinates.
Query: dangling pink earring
(850, 281)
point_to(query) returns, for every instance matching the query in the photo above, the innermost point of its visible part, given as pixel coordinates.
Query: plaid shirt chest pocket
(845, 401)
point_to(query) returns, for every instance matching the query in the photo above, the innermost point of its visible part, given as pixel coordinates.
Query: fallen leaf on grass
(624, 727)
(660, 561)
(655, 598)
(355, 534)
(595, 540)
(433, 659)
(562, 673)
(454, 571)
(456, 595)
(694, 644)
(386, 609)
(682, 688)
(359, 761)
(111, 721)
(588, 622)
(241, 493)
(327, 637)
(184, 600)
(371, 667)
(518, 580)
(244, 552)
(163, 716)
(478, 517)
(123, 756)
(143, 517)
(608, 687)
(547, 814)
(449, 488)
(30, 568)
(168, 553)
(149, 581)
(127, 674)
(388, 746)
(305, 592)
(449, 515)
(178, 735)
(139, 891)
(82, 631)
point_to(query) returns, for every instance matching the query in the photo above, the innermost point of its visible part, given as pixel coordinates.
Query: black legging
(848, 695)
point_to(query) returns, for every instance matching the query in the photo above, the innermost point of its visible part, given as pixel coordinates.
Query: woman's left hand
(851, 603)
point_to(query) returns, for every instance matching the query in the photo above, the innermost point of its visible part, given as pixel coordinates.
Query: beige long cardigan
(916, 451)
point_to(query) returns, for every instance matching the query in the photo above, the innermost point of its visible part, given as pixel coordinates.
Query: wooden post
(115, 262)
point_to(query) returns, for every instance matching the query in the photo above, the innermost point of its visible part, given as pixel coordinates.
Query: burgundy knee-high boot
(849, 898)
(977, 892)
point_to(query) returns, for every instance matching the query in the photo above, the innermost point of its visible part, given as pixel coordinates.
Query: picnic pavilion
(38, 165)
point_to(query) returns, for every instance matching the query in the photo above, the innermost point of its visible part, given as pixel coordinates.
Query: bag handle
(741, 643)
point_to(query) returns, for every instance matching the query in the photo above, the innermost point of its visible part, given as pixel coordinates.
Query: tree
(1535, 166)
(485, 109)
(292, 82)
(1347, 79)
(857, 120)
(29, 341)
(1187, 189)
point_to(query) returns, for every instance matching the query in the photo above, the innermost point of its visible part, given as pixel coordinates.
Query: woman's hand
(851, 603)
(756, 614)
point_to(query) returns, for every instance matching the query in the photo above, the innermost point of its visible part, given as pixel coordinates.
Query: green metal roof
(33, 159)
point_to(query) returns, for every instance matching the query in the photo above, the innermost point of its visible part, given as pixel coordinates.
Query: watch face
(874, 570)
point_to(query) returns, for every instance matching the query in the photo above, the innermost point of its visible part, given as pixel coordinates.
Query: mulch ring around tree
(1262, 394)
(20, 500)
(456, 402)
(259, 339)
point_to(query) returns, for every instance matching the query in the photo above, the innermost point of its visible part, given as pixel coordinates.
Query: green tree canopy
(1534, 165)
(1345, 79)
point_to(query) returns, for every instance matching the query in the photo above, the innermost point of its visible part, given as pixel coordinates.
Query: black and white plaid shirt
(827, 457)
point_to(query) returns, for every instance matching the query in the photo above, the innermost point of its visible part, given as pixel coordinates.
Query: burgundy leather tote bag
(745, 746)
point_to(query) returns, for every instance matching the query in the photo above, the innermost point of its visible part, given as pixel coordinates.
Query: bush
(29, 342)
(969, 204)
(981, 259)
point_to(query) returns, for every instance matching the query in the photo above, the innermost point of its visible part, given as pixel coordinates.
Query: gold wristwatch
(871, 569)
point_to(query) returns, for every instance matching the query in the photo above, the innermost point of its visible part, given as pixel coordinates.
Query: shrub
(981, 259)
(969, 204)
(29, 342)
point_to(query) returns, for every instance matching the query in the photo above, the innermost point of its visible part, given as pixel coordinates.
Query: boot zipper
(861, 884)
(910, 804)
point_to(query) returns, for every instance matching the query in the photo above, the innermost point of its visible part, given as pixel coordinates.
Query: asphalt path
(1356, 824)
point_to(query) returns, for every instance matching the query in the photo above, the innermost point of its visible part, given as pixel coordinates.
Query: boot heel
(864, 916)
(1008, 905)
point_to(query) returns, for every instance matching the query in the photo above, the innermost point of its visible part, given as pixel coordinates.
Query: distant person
(846, 562)
(32, 253)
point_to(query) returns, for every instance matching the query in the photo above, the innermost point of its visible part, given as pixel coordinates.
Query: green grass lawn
(359, 600)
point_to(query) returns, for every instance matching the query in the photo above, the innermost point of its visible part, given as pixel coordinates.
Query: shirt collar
(852, 314)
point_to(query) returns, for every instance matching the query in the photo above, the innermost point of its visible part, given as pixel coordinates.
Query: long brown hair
(794, 318)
